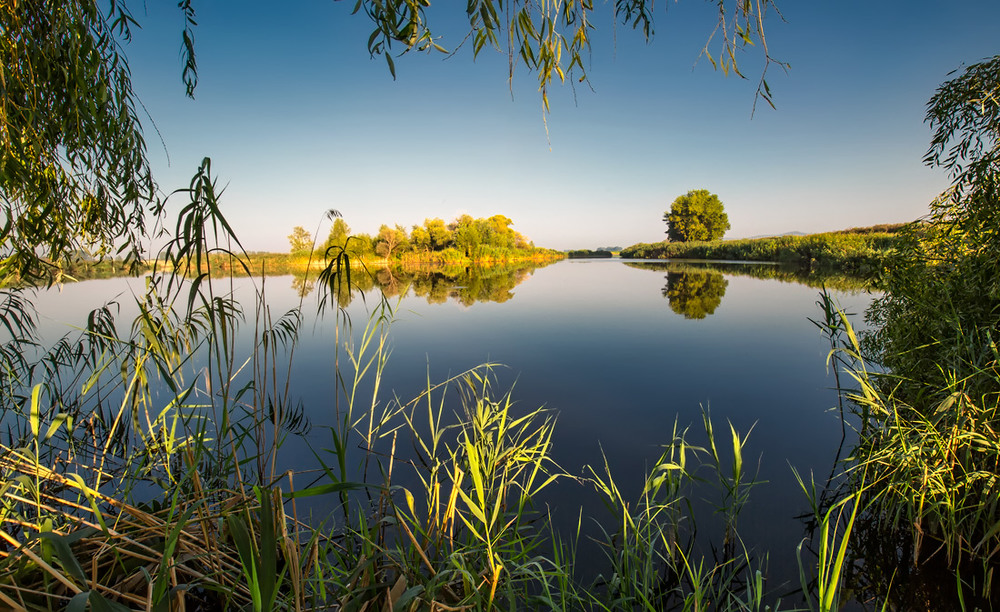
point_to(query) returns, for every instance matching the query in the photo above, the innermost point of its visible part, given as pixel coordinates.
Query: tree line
(465, 237)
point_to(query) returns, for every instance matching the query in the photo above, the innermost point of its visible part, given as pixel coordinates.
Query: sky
(298, 119)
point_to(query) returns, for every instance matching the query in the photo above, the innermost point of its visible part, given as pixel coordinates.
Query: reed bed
(852, 252)
(143, 472)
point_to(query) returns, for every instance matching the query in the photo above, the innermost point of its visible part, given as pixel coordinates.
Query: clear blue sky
(298, 119)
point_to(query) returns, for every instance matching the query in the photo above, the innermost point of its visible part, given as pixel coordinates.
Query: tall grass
(848, 252)
(924, 474)
(144, 471)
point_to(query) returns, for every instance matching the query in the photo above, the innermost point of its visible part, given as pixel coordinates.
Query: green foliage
(927, 457)
(300, 240)
(695, 295)
(73, 170)
(390, 240)
(940, 316)
(853, 252)
(552, 40)
(339, 232)
(588, 254)
(696, 216)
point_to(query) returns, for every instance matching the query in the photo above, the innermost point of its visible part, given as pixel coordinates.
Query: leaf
(98, 603)
(65, 555)
(333, 487)
(34, 419)
(392, 65)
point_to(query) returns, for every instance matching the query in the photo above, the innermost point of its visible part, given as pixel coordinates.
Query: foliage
(928, 375)
(552, 39)
(390, 239)
(695, 295)
(339, 232)
(73, 170)
(696, 215)
(588, 254)
(856, 253)
(940, 317)
(925, 474)
(766, 271)
(300, 240)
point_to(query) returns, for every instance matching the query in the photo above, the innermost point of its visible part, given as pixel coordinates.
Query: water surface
(620, 352)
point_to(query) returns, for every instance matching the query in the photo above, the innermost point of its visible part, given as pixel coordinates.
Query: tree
(300, 240)
(696, 215)
(339, 233)
(390, 240)
(942, 290)
(439, 233)
(420, 238)
(73, 169)
(465, 234)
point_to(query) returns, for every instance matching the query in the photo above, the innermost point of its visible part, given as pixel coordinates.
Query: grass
(143, 471)
(859, 251)
(158, 487)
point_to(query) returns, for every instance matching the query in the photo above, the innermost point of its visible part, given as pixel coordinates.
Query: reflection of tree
(466, 285)
(303, 286)
(695, 294)
(390, 282)
(764, 271)
(436, 284)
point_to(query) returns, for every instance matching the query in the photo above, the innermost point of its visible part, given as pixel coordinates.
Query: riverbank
(267, 264)
(857, 251)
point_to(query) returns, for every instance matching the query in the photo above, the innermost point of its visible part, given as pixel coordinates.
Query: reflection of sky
(597, 342)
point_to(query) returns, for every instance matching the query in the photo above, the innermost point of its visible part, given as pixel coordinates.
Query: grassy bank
(258, 263)
(860, 251)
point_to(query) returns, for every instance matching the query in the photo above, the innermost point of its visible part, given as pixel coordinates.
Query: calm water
(619, 352)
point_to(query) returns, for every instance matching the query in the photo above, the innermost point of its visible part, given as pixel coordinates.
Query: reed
(144, 470)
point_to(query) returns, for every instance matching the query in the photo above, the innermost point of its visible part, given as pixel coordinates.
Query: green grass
(861, 251)
(143, 472)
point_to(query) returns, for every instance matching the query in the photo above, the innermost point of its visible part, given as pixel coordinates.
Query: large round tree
(696, 215)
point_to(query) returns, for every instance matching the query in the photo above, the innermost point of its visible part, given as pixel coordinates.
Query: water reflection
(466, 285)
(695, 294)
(763, 271)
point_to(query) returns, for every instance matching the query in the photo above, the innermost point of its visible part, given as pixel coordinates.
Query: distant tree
(439, 233)
(339, 234)
(361, 245)
(390, 240)
(466, 234)
(300, 240)
(696, 215)
(420, 238)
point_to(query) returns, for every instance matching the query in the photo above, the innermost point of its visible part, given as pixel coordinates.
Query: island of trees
(464, 240)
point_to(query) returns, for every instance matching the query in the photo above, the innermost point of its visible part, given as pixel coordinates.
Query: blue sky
(298, 119)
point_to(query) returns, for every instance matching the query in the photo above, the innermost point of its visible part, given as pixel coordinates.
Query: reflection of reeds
(854, 252)
(143, 469)
(817, 278)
